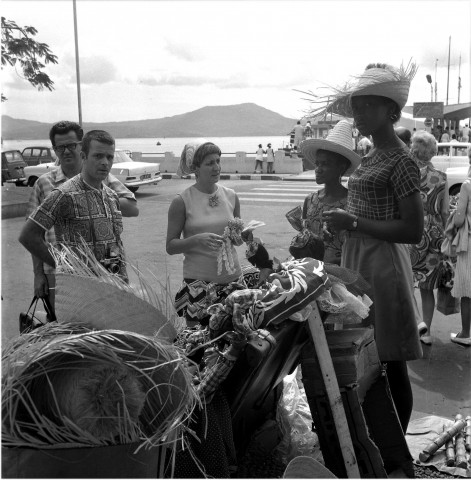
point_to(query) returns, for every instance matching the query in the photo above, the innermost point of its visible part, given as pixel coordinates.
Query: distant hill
(242, 120)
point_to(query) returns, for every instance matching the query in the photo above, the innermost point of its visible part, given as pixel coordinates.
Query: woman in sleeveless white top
(196, 221)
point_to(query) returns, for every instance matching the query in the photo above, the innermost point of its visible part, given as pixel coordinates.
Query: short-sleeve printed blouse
(375, 187)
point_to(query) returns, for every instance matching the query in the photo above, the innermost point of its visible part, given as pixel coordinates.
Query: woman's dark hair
(340, 159)
(63, 127)
(98, 135)
(203, 151)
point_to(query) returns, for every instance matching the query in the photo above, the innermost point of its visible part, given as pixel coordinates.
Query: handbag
(29, 321)
(446, 302)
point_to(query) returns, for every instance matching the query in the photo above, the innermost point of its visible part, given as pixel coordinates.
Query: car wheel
(133, 189)
(32, 181)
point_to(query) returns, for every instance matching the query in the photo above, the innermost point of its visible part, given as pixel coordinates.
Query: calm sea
(175, 145)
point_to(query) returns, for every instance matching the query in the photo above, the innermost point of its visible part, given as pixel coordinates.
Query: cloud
(96, 70)
(181, 50)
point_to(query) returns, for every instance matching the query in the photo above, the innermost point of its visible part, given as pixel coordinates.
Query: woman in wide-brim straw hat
(383, 214)
(331, 158)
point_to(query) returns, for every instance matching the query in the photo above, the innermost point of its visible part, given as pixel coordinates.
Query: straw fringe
(337, 100)
(32, 361)
(87, 292)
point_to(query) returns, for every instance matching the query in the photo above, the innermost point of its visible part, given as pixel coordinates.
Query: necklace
(214, 200)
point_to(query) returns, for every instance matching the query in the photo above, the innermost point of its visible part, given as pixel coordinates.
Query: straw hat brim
(103, 306)
(306, 467)
(310, 147)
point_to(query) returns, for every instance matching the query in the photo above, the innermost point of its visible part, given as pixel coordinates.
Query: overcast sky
(151, 59)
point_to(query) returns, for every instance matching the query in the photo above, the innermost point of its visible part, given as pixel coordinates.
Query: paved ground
(441, 380)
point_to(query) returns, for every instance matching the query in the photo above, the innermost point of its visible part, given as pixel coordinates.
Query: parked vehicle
(130, 173)
(451, 155)
(13, 167)
(455, 177)
(135, 174)
(38, 155)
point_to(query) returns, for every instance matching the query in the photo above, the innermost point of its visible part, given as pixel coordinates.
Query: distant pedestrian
(453, 139)
(445, 136)
(270, 159)
(426, 256)
(465, 134)
(308, 130)
(298, 133)
(462, 282)
(259, 158)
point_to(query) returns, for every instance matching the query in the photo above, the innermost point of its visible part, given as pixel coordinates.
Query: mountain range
(243, 120)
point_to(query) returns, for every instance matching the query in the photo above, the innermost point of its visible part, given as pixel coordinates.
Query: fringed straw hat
(378, 79)
(87, 293)
(339, 140)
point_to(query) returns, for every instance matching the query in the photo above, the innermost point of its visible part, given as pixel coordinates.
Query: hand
(41, 286)
(210, 241)
(264, 274)
(338, 219)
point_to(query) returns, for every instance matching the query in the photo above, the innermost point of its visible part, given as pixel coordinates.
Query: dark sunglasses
(70, 146)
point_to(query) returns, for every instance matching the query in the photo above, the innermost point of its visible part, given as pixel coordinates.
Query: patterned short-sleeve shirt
(377, 185)
(70, 213)
(47, 182)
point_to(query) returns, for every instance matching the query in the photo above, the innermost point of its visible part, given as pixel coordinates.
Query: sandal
(466, 342)
(426, 339)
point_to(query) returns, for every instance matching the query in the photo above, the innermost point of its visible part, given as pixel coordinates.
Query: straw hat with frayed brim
(103, 306)
(87, 293)
(339, 140)
(379, 80)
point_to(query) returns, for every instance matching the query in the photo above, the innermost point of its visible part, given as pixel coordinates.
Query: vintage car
(13, 167)
(37, 155)
(130, 173)
(135, 174)
(451, 155)
(455, 177)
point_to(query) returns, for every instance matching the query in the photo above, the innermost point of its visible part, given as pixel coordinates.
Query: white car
(451, 155)
(130, 173)
(455, 177)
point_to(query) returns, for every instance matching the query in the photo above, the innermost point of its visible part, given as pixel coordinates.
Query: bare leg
(428, 307)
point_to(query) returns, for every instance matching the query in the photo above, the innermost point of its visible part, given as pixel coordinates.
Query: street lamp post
(429, 80)
(77, 65)
(436, 61)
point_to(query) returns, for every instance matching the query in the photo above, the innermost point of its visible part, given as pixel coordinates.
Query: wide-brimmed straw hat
(378, 79)
(87, 293)
(339, 140)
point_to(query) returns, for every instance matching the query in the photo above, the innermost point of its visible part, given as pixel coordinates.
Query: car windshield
(120, 156)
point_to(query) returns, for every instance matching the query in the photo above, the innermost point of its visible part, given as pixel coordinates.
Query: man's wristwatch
(355, 223)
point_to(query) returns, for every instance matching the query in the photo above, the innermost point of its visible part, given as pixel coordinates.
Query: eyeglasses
(70, 146)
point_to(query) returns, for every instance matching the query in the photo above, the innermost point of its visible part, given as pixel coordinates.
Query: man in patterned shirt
(66, 140)
(82, 207)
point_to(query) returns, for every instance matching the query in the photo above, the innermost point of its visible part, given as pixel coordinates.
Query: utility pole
(448, 77)
(436, 61)
(459, 80)
(77, 64)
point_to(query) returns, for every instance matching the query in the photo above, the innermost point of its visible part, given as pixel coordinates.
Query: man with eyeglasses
(66, 138)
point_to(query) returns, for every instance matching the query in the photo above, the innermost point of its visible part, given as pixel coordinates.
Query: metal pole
(436, 61)
(448, 77)
(459, 80)
(77, 65)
